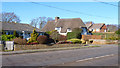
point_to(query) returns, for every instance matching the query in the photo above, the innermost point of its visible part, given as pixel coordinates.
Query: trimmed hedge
(118, 31)
(75, 40)
(42, 39)
(20, 41)
(71, 35)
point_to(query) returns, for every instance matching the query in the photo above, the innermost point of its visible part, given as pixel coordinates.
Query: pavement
(106, 55)
(44, 50)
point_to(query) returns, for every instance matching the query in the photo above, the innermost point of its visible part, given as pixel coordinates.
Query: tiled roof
(96, 26)
(18, 27)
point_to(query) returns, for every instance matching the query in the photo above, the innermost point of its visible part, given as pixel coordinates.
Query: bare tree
(40, 21)
(10, 17)
(34, 22)
(88, 22)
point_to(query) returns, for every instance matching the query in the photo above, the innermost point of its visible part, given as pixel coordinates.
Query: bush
(15, 34)
(77, 30)
(8, 37)
(71, 35)
(42, 39)
(62, 38)
(34, 36)
(83, 41)
(20, 41)
(50, 40)
(118, 31)
(75, 40)
(54, 35)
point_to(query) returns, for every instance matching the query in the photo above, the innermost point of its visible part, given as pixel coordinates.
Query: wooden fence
(87, 37)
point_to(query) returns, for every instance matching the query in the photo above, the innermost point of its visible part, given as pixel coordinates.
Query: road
(106, 55)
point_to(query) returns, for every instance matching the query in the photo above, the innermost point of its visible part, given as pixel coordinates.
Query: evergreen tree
(15, 34)
(34, 36)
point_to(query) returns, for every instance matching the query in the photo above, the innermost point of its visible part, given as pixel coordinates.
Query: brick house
(98, 27)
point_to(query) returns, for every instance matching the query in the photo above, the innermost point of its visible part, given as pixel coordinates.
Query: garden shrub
(83, 41)
(62, 38)
(50, 40)
(77, 30)
(34, 36)
(8, 37)
(20, 41)
(54, 35)
(15, 34)
(76, 33)
(118, 31)
(71, 35)
(75, 40)
(42, 39)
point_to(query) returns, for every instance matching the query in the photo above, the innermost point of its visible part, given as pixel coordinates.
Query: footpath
(44, 50)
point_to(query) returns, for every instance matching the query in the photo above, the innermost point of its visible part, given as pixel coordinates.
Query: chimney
(56, 19)
(90, 23)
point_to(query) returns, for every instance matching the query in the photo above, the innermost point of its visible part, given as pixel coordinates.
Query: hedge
(71, 35)
(75, 40)
(8, 37)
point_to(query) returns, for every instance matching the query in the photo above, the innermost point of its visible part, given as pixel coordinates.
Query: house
(98, 27)
(63, 26)
(22, 29)
(112, 28)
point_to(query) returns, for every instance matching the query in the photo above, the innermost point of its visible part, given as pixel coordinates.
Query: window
(97, 29)
(69, 30)
(57, 28)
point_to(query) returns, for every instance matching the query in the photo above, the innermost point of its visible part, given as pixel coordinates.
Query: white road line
(94, 57)
(84, 59)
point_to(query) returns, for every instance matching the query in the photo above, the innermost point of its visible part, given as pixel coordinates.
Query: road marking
(84, 59)
(94, 58)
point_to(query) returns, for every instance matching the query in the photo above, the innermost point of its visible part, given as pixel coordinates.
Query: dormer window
(69, 30)
(57, 28)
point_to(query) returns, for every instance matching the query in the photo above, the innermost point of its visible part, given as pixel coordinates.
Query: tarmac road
(106, 55)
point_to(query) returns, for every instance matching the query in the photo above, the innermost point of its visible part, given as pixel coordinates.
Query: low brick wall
(99, 41)
(87, 37)
(42, 46)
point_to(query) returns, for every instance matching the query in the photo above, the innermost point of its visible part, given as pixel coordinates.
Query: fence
(87, 37)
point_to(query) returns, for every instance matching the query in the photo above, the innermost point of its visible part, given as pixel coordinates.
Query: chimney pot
(56, 19)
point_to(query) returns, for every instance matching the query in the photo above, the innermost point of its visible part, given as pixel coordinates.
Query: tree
(77, 30)
(88, 22)
(118, 31)
(34, 36)
(40, 21)
(54, 35)
(76, 33)
(10, 17)
(15, 34)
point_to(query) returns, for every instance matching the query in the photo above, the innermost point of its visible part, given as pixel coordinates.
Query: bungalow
(63, 26)
(22, 29)
(99, 27)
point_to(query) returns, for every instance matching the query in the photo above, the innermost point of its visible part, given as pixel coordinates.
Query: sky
(87, 11)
